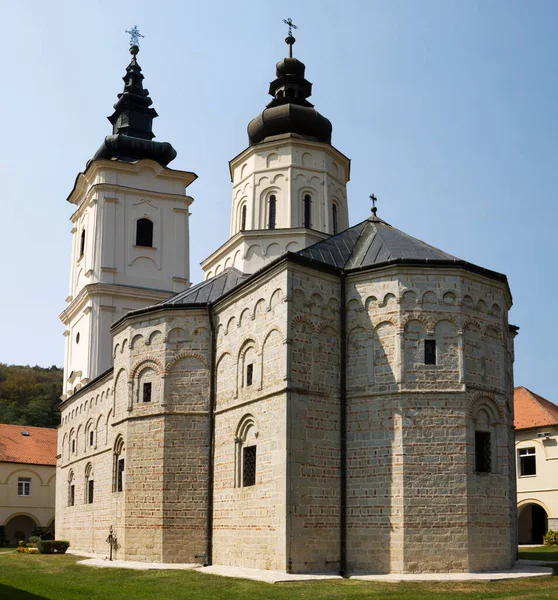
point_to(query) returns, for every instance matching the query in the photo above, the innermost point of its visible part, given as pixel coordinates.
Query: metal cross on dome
(135, 35)
(374, 200)
(290, 39)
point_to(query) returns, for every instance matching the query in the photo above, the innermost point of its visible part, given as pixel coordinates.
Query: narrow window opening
(280, 94)
(82, 244)
(144, 233)
(90, 488)
(429, 352)
(483, 452)
(73, 446)
(290, 93)
(307, 211)
(77, 337)
(335, 225)
(120, 478)
(272, 211)
(91, 438)
(72, 495)
(248, 466)
(243, 218)
(527, 462)
(147, 391)
(249, 374)
(24, 486)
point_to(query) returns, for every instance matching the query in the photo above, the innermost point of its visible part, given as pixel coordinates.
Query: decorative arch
(25, 470)
(187, 354)
(148, 362)
(258, 307)
(304, 319)
(275, 299)
(154, 337)
(21, 514)
(244, 316)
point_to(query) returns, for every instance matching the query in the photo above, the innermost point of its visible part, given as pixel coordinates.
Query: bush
(551, 538)
(53, 546)
(33, 541)
(45, 533)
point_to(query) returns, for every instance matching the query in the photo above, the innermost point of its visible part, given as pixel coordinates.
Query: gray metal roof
(370, 243)
(210, 290)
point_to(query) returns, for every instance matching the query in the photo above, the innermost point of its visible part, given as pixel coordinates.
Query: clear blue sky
(447, 109)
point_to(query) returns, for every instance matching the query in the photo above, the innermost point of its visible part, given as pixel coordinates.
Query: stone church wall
(249, 520)
(314, 423)
(412, 485)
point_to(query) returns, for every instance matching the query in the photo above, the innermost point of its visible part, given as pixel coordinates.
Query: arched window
(71, 489)
(307, 203)
(272, 211)
(243, 218)
(335, 223)
(144, 233)
(89, 484)
(82, 243)
(118, 466)
(486, 422)
(246, 452)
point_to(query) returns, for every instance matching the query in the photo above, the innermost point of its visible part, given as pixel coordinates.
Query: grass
(548, 553)
(55, 577)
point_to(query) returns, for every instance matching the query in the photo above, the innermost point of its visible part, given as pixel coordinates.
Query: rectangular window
(249, 374)
(91, 438)
(429, 352)
(483, 452)
(90, 487)
(527, 462)
(24, 486)
(73, 445)
(120, 476)
(248, 466)
(147, 391)
(72, 495)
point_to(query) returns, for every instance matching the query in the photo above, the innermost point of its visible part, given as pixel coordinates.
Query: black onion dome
(132, 121)
(290, 111)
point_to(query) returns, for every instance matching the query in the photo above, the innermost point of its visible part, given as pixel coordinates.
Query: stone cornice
(112, 289)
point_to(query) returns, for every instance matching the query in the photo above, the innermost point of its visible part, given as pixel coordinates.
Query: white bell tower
(289, 185)
(130, 246)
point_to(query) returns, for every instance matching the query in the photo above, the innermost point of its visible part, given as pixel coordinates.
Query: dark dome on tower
(290, 111)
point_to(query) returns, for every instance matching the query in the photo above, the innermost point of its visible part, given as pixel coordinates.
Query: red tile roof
(37, 448)
(532, 410)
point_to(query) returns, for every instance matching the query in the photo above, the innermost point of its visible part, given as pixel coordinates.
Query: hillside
(29, 395)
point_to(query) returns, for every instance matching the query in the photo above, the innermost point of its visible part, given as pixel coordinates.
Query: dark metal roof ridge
(86, 386)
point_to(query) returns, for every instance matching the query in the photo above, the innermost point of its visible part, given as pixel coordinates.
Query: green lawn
(549, 553)
(48, 577)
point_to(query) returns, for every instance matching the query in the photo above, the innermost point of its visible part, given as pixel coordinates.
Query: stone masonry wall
(249, 520)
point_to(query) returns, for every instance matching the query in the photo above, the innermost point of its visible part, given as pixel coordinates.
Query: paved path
(521, 570)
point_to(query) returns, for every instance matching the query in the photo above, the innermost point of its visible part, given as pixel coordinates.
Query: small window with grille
(483, 452)
(527, 462)
(249, 374)
(429, 352)
(120, 476)
(147, 391)
(248, 466)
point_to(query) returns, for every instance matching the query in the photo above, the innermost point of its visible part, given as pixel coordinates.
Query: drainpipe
(343, 430)
(211, 466)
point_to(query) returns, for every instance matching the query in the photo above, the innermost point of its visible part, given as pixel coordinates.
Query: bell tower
(130, 241)
(290, 184)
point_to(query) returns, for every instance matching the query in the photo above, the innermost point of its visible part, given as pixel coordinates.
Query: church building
(331, 398)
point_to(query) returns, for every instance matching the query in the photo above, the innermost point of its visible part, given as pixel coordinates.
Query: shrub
(551, 538)
(33, 540)
(45, 533)
(53, 546)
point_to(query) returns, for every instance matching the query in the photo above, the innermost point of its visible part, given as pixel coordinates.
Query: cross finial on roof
(374, 200)
(290, 39)
(135, 35)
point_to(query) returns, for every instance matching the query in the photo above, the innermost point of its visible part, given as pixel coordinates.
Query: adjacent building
(330, 398)
(536, 441)
(27, 480)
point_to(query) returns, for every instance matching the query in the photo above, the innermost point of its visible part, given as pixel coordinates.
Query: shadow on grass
(10, 593)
